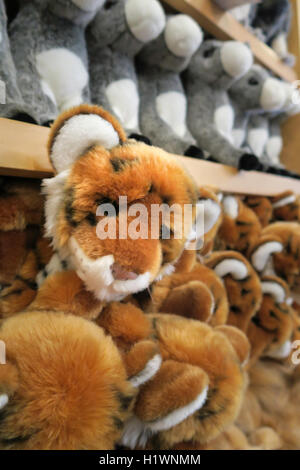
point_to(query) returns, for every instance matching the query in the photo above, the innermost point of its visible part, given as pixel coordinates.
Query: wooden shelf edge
(224, 26)
(23, 153)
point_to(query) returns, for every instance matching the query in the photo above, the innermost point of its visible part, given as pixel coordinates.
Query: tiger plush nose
(121, 274)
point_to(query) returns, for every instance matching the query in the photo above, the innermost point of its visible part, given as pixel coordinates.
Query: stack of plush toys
(144, 342)
(156, 72)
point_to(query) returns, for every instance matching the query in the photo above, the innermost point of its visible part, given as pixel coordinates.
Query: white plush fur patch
(124, 100)
(236, 58)
(238, 137)
(146, 20)
(257, 140)
(273, 148)
(279, 44)
(98, 278)
(65, 75)
(53, 188)
(212, 212)
(89, 5)
(282, 352)
(223, 119)
(177, 416)
(274, 289)
(272, 95)
(183, 35)
(241, 13)
(3, 400)
(55, 265)
(137, 432)
(261, 255)
(77, 135)
(166, 270)
(236, 268)
(284, 201)
(231, 206)
(148, 372)
(171, 108)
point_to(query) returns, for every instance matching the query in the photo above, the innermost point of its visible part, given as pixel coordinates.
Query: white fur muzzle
(98, 278)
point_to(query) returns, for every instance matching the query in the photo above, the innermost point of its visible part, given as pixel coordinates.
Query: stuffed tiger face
(271, 328)
(277, 252)
(240, 228)
(262, 206)
(96, 166)
(242, 285)
(286, 207)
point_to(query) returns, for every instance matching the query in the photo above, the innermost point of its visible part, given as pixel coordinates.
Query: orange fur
(66, 382)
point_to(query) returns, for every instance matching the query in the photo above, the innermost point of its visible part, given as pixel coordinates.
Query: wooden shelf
(224, 26)
(23, 153)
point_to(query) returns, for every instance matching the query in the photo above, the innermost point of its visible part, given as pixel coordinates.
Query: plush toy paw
(132, 331)
(64, 386)
(140, 138)
(249, 162)
(198, 390)
(194, 152)
(191, 300)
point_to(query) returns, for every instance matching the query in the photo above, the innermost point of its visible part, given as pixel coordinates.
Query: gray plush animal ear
(235, 267)
(236, 58)
(79, 129)
(183, 35)
(146, 20)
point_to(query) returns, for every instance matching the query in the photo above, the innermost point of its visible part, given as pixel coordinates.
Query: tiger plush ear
(263, 251)
(77, 130)
(228, 263)
(275, 287)
(231, 206)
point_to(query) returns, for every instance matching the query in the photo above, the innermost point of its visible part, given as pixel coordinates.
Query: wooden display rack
(23, 146)
(23, 153)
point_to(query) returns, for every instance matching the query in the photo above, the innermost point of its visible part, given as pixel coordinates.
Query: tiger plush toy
(95, 165)
(240, 227)
(242, 285)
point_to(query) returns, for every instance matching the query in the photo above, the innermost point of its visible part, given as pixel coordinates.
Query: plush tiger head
(271, 328)
(96, 165)
(277, 252)
(286, 206)
(240, 227)
(262, 206)
(242, 285)
(63, 384)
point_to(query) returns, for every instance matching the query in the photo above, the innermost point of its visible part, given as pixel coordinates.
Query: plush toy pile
(157, 72)
(177, 341)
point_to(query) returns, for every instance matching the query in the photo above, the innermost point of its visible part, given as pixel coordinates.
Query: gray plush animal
(252, 95)
(273, 19)
(48, 44)
(163, 101)
(212, 70)
(118, 32)
(11, 101)
(272, 122)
